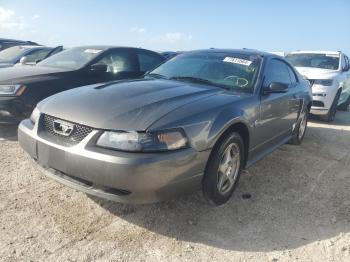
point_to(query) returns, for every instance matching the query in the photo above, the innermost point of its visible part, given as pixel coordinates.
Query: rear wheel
(223, 169)
(300, 130)
(345, 105)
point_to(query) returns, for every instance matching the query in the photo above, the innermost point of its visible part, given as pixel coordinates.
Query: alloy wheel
(229, 168)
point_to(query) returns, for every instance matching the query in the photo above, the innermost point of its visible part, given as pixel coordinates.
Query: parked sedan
(21, 88)
(194, 122)
(26, 55)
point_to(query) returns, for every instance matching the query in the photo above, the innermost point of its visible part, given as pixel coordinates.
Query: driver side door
(276, 117)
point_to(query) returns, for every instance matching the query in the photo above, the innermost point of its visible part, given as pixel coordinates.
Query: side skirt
(268, 151)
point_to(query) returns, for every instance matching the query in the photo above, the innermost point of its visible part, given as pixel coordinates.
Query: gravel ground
(292, 205)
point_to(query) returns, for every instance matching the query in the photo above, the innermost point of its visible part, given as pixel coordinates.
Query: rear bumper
(118, 176)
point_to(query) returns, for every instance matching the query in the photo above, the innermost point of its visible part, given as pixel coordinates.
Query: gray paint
(203, 112)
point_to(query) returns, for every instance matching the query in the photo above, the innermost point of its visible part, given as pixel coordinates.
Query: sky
(269, 25)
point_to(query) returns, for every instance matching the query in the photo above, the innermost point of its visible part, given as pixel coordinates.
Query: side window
(347, 63)
(292, 75)
(148, 60)
(37, 55)
(343, 62)
(118, 61)
(277, 71)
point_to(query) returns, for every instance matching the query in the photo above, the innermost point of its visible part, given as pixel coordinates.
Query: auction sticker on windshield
(236, 60)
(92, 51)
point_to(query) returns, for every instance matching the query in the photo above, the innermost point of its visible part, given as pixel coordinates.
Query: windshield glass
(73, 58)
(236, 72)
(324, 61)
(11, 53)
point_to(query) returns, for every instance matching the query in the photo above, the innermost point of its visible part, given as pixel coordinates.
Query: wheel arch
(242, 129)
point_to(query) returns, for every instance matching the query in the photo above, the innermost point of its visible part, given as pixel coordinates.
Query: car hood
(14, 75)
(124, 105)
(317, 73)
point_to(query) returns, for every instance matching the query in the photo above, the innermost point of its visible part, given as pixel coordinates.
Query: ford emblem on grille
(63, 128)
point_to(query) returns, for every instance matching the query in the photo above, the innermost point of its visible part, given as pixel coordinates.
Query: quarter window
(277, 71)
(37, 55)
(148, 61)
(292, 75)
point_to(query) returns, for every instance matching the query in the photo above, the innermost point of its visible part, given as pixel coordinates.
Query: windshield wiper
(198, 80)
(156, 76)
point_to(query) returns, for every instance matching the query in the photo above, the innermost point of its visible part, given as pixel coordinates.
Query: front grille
(317, 103)
(46, 130)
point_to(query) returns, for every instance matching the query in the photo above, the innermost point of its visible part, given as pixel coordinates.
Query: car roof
(14, 40)
(107, 47)
(316, 52)
(32, 47)
(244, 51)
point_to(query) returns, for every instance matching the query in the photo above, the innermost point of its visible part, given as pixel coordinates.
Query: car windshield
(11, 53)
(323, 61)
(73, 58)
(232, 71)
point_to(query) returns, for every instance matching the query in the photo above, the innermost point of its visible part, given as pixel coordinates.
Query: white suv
(329, 75)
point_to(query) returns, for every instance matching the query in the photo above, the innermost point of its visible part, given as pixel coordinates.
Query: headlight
(142, 141)
(35, 115)
(12, 89)
(326, 82)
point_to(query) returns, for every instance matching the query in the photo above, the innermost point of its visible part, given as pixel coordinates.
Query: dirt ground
(299, 209)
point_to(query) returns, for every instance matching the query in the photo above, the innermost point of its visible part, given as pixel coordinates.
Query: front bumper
(12, 110)
(322, 97)
(118, 176)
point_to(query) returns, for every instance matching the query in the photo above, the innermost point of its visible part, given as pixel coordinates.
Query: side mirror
(23, 60)
(38, 61)
(276, 87)
(98, 68)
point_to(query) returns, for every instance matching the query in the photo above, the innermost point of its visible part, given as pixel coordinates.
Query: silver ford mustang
(192, 123)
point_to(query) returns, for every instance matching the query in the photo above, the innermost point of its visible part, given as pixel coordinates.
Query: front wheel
(345, 105)
(332, 111)
(223, 169)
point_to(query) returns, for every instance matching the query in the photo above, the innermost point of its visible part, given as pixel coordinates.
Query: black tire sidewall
(296, 140)
(209, 183)
(333, 110)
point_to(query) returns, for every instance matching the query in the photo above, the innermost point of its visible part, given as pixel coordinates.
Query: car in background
(21, 88)
(26, 55)
(170, 54)
(279, 53)
(193, 123)
(329, 75)
(7, 43)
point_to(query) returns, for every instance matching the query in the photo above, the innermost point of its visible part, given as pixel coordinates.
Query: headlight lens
(143, 142)
(11, 89)
(326, 82)
(35, 115)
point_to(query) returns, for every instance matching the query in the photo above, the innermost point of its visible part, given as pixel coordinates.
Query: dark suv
(21, 88)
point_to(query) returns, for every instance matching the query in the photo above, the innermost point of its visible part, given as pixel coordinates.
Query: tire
(345, 105)
(332, 111)
(300, 130)
(219, 183)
